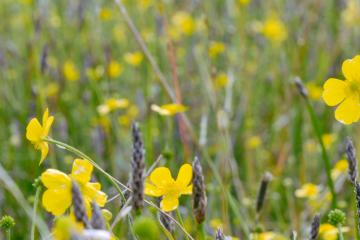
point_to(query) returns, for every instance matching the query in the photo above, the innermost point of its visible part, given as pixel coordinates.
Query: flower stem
(341, 237)
(8, 234)
(201, 231)
(180, 220)
(35, 207)
(324, 154)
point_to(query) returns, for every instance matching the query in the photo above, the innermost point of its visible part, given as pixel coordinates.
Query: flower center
(353, 87)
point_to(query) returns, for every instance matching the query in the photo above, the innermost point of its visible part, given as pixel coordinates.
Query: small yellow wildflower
(66, 226)
(244, 2)
(184, 23)
(216, 223)
(134, 59)
(131, 113)
(314, 91)
(221, 80)
(345, 94)
(253, 142)
(351, 14)
(114, 69)
(274, 30)
(328, 139)
(52, 89)
(330, 232)
(112, 104)
(216, 48)
(308, 190)
(35, 132)
(57, 198)
(70, 71)
(169, 109)
(267, 236)
(160, 183)
(105, 14)
(95, 73)
(340, 167)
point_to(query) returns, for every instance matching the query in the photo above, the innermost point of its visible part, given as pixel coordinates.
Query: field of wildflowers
(179, 119)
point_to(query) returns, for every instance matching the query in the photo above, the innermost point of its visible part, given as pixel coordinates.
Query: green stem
(180, 220)
(324, 154)
(341, 237)
(35, 207)
(356, 219)
(8, 234)
(201, 231)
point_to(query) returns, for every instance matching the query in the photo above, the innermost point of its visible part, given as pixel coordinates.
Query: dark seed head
(199, 192)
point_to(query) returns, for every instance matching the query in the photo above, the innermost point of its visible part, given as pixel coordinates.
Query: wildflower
(244, 2)
(112, 104)
(79, 210)
(330, 232)
(184, 23)
(95, 73)
(340, 168)
(114, 69)
(345, 94)
(274, 30)
(160, 183)
(36, 132)
(131, 113)
(314, 91)
(266, 236)
(70, 71)
(328, 139)
(221, 80)
(216, 48)
(253, 142)
(169, 109)
(105, 14)
(57, 198)
(308, 190)
(65, 227)
(134, 59)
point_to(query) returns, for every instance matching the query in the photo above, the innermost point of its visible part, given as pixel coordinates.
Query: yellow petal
(57, 200)
(351, 68)
(92, 191)
(152, 190)
(81, 170)
(34, 130)
(185, 175)
(53, 178)
(187, 190)
(161, 177)
(45, 116)
(349, 110)
(334, 91)
(44, 147)
(169, 203)
(47, 125)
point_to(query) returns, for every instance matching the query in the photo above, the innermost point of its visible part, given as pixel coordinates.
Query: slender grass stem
(180, 220)
(8, 234)
(35, 207)
(341, 236)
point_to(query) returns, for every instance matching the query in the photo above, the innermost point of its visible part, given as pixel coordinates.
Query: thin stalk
(324, 154)
(180, 220)
(341, 237)
(201, 231)
(8, 234)
(35, 207)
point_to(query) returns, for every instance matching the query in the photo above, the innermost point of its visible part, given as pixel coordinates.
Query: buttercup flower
(330, 232)
(134, 59)
(274, 29)
(112, 104)
(57, 198)
(114, 69)
(161, 184)
(70, 71)
(169, 109)
(345, 94)
(308, 190)
(35, 132)
(216, 48)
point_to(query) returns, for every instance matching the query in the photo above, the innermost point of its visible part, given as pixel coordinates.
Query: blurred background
(232, 63)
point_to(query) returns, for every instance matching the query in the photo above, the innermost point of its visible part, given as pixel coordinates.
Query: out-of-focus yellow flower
(112, 104)
(340, 168)
(134, 58)
(274, 30)
(330, 232)
(57, 198)
(345, 94)
(328, 139)
(55, 20)
(308, 190)
(244, 2)
(216, 223)
(221, 80)
(184, 23)
(144, 4)
(66, 226)
(216, 48)
(128, 118)
(36, 132)
(351, 14)
(169, 109)
(253, 142)
(52, 89)
(114, 69)
(70, 71)
(267, 236)
(160, 183)
(105, 14)
(119, 32)
(314, 91)
(95, 73)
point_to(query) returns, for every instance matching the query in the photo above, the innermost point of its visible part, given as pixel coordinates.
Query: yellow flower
(351, 14)
(340, 167)
(70, 71)
(330, 232)
(328, 139)
(216, 48)
(160, 183)
(274, 29)
(131, 114)
(221, 80)
(57, 198)
(184, 23)
(112, 104)
(133, 59)
(314, 91)
(345, 94)
(95, 73)
(253, 142)
(244, 2)
(267, 236)
(35, 132)
(66, 226)
(105, 14)
(114, 69)
(169, 109)
(308, 190)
